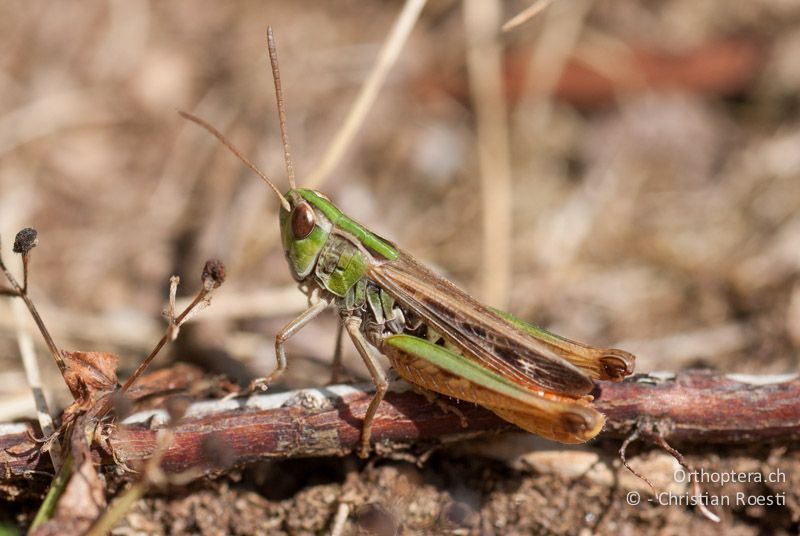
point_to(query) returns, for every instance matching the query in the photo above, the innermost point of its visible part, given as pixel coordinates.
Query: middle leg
(377, 374)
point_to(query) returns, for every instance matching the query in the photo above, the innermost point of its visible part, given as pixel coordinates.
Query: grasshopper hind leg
(572, 426)
(435, 368)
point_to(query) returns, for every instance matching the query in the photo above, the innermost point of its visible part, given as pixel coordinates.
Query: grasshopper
(436, 336)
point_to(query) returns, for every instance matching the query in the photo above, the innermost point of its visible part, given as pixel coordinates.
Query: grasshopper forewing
(524, 374)
(436, 336)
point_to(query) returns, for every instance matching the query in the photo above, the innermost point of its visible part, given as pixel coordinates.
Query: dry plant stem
(369, 91)
(269, 303)
(342, 513)
(561, 31)
(485, 67)
(168, 336)
(48, 339)
(690, 408)
(118, 509)
(25, 260)
(57, 486)
(31, 366)
(526, 14)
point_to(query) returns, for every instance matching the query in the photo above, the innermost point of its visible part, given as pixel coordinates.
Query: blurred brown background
(655, 157)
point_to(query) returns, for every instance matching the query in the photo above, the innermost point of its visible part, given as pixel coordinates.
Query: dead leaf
(90, 375)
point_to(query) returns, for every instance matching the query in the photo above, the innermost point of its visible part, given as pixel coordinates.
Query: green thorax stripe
(338, 219)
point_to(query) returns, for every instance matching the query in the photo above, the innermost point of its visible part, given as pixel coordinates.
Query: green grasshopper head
(304, 231)
(307, 220)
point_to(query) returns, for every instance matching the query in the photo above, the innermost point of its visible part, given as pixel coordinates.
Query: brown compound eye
(302, 221)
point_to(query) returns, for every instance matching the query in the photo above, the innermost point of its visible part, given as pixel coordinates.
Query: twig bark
(696, 407)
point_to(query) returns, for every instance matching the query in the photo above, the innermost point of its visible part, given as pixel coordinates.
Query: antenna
(232, 148)
(276, 76)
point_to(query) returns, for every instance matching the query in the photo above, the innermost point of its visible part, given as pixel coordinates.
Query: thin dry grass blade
(369, 91)
(485, 65)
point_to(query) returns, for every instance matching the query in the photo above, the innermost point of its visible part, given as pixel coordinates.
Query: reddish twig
(690, 407)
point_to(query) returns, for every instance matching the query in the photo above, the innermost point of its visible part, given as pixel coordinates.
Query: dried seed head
(26, 240)
(213, 274)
